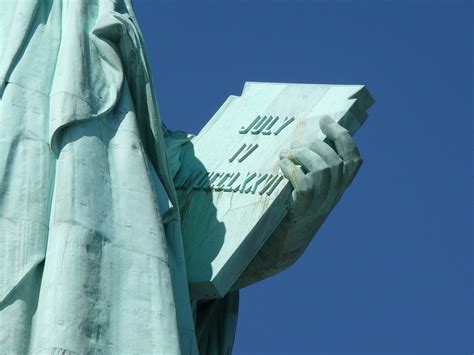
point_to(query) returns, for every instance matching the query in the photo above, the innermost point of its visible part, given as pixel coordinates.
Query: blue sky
(391, 269)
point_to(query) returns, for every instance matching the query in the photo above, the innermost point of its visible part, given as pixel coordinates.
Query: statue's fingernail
(327, 120)
(284, 154)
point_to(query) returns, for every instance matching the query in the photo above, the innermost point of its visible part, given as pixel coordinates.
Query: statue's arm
(320, 172)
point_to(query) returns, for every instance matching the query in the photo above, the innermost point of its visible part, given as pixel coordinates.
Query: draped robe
(90, 247)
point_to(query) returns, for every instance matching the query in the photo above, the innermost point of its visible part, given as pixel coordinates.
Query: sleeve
(179, 151)
(177, 144)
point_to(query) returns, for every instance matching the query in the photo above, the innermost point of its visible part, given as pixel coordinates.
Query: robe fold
(90, 244)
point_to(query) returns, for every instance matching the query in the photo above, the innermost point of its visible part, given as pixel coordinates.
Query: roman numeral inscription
(244, 151)
(285, 124)
(266, 125)
(249, 183)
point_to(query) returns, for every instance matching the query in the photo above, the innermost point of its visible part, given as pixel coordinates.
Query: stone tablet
(239, 195)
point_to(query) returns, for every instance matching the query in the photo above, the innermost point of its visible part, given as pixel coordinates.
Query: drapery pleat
(90, 244)
(89, 265)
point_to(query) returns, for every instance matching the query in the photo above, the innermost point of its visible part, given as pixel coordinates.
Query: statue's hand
(320, 172)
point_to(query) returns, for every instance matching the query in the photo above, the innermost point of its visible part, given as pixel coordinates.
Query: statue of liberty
(91, 257)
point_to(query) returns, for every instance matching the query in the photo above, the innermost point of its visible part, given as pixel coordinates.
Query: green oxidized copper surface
(119, 236)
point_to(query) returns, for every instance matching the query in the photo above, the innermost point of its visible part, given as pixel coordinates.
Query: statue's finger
(344, 144)
(345, 147)
(302, 185)
(322, 181)
(309, 160)
(328, 154)
(333, 160)
(295, 175)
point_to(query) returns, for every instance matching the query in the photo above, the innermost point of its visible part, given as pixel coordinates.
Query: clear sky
(391, 269)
